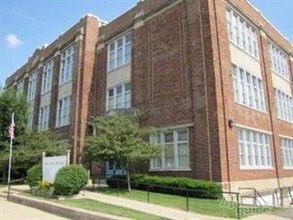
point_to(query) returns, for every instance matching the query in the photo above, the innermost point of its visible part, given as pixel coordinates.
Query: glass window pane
(182, 135)
(169, 136)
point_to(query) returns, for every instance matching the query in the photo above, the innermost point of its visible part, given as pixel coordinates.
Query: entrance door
(113, 168)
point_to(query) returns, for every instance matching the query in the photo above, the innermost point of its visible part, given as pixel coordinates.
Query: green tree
(27, 145)
(120, 139)
(10, 102)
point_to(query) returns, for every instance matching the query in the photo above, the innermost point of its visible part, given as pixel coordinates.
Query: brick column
(54, 91)
(38, 96)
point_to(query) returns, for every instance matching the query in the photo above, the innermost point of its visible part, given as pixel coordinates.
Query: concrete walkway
(13, 211)
(164, 212)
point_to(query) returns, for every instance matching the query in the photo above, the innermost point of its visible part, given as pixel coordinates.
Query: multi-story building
(215, 76)
(56, 80)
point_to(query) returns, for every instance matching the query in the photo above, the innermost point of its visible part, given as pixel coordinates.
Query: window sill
(45, 93)
(60, 126)
(253, 57)
(117, 68)
(281, 76)
(287, 168)
(171, 170)
(283, 120)
(64, 83)
(260, 111)
(256, 168)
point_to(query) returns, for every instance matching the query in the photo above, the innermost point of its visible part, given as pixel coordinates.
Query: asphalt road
(13, 211)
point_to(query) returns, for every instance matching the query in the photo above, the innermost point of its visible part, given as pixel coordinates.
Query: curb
(61, 210)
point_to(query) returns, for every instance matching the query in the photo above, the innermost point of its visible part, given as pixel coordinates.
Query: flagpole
(10, 155)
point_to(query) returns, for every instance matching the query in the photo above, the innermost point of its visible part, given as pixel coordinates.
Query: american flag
(11, 128)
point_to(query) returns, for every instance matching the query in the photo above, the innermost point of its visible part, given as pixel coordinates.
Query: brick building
(51, 78)
(215, 76)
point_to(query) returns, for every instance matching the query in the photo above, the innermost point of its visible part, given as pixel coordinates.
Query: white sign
(51, 165)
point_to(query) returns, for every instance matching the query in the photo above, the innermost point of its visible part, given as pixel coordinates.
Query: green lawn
(97, 206)
(202, 206)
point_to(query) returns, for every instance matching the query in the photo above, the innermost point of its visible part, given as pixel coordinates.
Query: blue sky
(27, 24)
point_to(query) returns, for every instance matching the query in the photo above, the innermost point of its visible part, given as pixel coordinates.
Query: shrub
(70, 179)
(170, 185)
(115, 179)
(34, 175)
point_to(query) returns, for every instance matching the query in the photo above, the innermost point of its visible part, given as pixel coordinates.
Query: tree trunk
(128, 180)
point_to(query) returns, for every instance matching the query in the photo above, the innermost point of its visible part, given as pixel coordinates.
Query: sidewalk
(164, 212)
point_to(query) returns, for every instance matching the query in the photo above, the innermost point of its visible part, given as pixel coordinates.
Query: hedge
(169, 185)
(34, 175)
(70, 179)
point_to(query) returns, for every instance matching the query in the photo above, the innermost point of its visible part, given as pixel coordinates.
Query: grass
(213, 207)
(97, 206)
(100, 207)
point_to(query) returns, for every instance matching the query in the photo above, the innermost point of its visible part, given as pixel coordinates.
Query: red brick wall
(228, 109)
(83, 71)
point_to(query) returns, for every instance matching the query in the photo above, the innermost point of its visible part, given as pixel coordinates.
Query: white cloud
(12, 40)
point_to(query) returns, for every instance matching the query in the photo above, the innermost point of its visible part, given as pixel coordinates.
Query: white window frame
(284, 105)
(44, 118)
(248, 89)
(114, 60)
(242, 33)
(67, 61)
(254, 149)
(48, 71)
(20, 87)
(159, 164)
(279, 61)
(32, 83)
(30, 119)
(287, 152)
(63, 111)
(125, 95)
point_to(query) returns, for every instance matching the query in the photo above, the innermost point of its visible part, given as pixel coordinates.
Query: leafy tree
(27, 145)
(10, 102)
(31, 145)
(121, 139)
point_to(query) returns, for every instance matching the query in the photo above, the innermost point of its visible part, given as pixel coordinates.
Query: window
(284, 106)
(176, 153)
(32, 81)
(279, 60)
(47, 76)
(287, 152)
(30, 121)
(248, 89)
(67, 65)
(254, 149)
(119, 52)
(19, 87)
(119, 97)
(242, 33)
(44, 118)
(63, 111)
